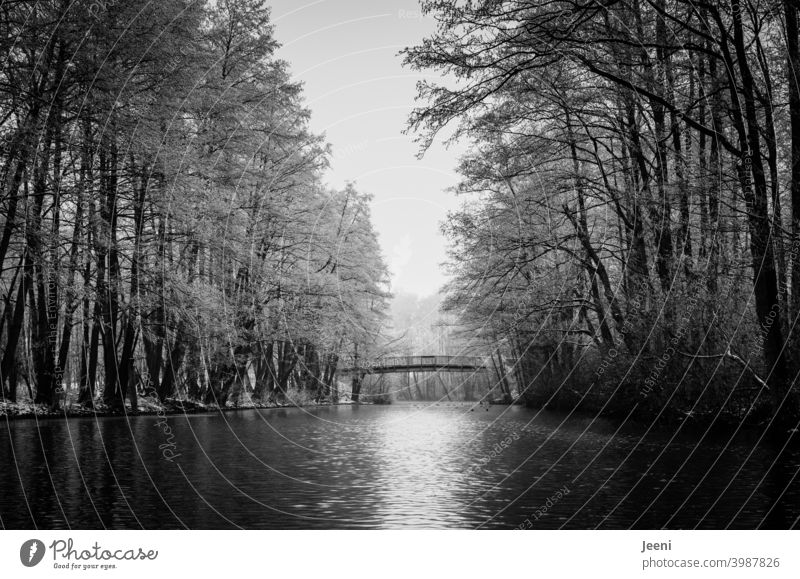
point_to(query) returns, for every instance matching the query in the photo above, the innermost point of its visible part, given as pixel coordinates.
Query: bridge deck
(418, 364)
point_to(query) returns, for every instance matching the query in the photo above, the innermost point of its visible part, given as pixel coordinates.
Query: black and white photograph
(342, 265)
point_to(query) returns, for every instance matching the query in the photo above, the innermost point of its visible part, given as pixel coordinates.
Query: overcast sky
(345, 53)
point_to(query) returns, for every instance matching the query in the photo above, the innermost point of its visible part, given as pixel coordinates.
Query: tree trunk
(765, 284)
(793, 80)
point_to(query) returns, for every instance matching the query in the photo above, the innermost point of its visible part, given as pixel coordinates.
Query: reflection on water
(400, 466)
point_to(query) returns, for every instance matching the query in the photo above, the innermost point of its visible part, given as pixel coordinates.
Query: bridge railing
(415, 361)
(429, 361)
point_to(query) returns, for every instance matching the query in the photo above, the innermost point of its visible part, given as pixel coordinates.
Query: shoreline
(28, 411)
(31, 411)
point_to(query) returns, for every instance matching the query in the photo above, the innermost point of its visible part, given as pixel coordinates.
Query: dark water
(399, 466)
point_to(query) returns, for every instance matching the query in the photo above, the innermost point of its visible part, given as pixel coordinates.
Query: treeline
(631, 232)
(165, 228)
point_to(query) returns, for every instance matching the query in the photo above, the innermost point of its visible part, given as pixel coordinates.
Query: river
(412, 465)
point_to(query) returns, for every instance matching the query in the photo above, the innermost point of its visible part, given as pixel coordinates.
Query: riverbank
(147, 407)
(713, 424)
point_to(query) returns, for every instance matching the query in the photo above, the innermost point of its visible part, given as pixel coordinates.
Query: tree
(592, 123)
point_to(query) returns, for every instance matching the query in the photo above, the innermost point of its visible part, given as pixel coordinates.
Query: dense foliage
(165, 228)
(631, 228)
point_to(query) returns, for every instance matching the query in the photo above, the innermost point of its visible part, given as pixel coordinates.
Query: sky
(345, 52)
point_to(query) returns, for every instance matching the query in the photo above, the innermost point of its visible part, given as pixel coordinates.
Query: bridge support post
(355, 387)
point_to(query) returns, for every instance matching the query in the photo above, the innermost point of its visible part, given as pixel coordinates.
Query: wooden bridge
(396, 364)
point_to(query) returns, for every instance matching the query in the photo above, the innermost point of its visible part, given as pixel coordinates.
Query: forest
(166, 230)
(627, 243)
(630, 228)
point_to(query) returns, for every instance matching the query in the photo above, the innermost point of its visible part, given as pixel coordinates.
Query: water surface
(419, 465)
